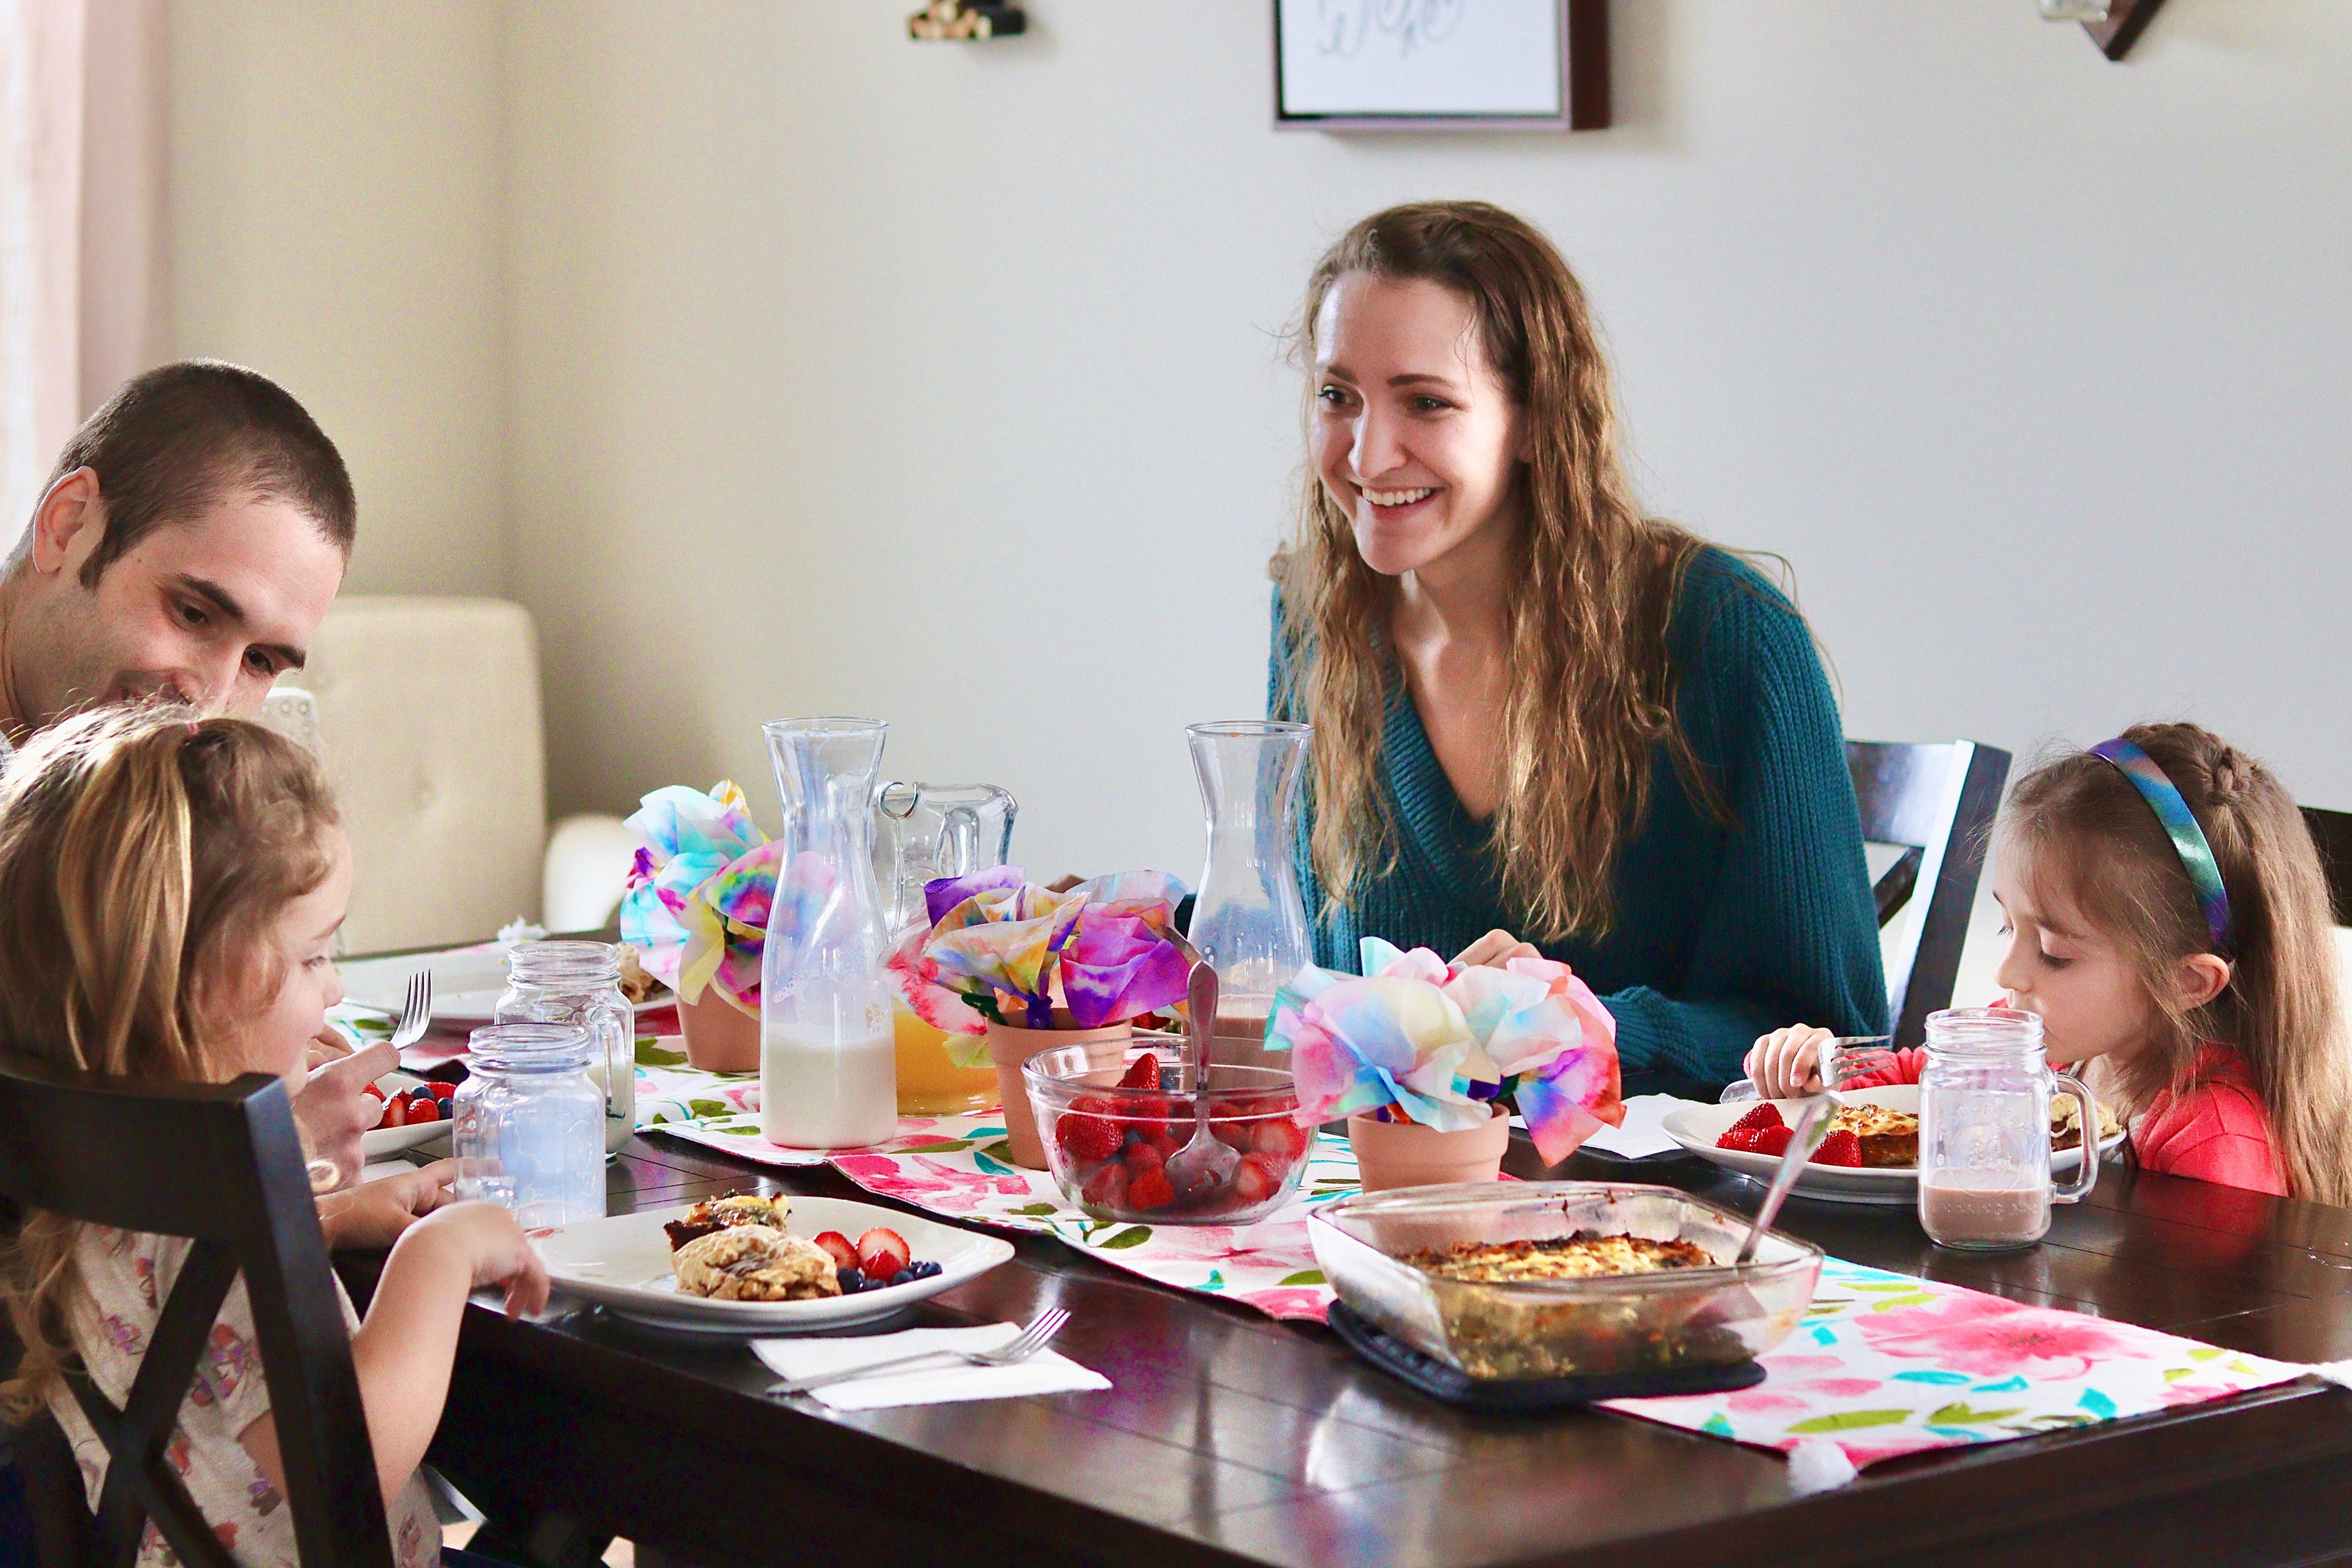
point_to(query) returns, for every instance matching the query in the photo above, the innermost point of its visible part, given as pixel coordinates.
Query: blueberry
(904, 1277)
(852, 1280)
(924, 1270)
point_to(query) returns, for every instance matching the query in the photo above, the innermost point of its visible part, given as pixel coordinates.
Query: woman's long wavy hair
(2081, 834)
(1591, 592)
(145, 856)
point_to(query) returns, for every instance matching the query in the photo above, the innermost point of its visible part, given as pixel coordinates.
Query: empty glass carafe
(1984, 1131)
(1249, 920)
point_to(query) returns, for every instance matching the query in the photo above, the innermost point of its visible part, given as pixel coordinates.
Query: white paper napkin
(1644, 1132)
(940, 1382)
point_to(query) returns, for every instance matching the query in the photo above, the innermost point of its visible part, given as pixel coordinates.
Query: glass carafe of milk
(827, 1063)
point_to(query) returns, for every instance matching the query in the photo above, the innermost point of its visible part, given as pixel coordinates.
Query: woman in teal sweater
(1539, 715)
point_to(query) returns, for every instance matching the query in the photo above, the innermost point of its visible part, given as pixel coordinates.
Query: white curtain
(83, 288)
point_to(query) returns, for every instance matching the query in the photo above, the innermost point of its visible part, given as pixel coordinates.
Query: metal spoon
(1204, 1164)
(1812, 1129)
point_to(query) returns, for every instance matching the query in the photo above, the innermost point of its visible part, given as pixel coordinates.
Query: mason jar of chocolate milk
(1984, 1131)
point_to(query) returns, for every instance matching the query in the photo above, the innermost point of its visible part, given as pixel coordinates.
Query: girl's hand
(1495, 949)
(374, 1214)
(1786, 1062)
(493, 1249)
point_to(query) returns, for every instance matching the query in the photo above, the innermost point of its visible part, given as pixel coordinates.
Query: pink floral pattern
(1885, 1365)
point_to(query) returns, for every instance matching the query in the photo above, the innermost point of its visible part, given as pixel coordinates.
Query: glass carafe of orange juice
(923, 832)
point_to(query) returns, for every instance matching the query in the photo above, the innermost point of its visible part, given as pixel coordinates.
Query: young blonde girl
(2206, 1007)
(170, 887)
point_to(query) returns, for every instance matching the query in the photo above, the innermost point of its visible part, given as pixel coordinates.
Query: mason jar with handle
(527, 1124)
(580, 983)
(1985, 1183)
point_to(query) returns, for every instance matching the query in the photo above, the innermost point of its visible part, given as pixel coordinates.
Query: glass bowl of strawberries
(1110, 1131)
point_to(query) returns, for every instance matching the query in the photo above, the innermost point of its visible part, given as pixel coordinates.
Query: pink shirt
(2218, 1132)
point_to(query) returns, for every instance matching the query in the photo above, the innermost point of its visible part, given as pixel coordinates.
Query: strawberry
(1744, 1140)
(1281, 1136)
(843, 1255)
(1773, 1141)
(1151, 1190)
(1764, 1115)
(1144, 1157)
(1105, 1188)
(1254, 1181)
(1839, 1148)
(1143, 1072)
(882, 1253)
(1085, 1139)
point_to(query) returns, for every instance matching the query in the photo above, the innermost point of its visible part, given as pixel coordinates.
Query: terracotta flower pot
(719, 1035)
(1009, 1048)
(1407, 1154)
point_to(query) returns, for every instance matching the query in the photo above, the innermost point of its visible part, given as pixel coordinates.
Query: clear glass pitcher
(580, 983)
(827, 1076)
(527, 1124)
(926, 831)
(1984, 1131)
(1249, 920)
(923, 832)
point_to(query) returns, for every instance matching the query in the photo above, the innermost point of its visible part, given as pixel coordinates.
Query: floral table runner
(1887, 1365)
(1883, 1366)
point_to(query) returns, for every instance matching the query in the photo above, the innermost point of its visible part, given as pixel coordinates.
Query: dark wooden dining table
(1228, 1437)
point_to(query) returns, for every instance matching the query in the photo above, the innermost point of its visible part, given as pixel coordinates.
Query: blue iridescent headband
(2188, 839)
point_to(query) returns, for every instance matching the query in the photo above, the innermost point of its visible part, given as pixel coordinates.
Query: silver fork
(1032, 1340)
(416, 1012)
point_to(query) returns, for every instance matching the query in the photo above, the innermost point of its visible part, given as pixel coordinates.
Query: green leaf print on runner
(1851, 1420)
(1961, 1414)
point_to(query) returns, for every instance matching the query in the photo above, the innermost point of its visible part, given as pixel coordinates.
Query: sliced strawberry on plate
(1773, 1141)
(1839, 1148)
(882, 1253)
(1742, 1139)
(1764, 1115)
(837, 1246)
(1143, 1072)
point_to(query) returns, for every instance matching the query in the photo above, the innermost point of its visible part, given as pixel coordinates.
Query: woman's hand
(374, 1214)
(1787, 1063)
(491, 1247)
(1495, 949)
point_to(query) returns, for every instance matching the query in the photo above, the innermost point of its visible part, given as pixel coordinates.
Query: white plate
(466, 985)
(1696, 1127)
(623, 1264)
(383, 1142)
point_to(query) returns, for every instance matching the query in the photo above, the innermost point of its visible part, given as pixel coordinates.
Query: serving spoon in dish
(1812, 1129)
(1204, 1163)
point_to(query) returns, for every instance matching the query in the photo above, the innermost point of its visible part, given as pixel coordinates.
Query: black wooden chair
(218, 1164)
(1935, 801)
(2332, 831)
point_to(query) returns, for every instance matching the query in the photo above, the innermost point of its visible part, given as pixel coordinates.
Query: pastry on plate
(755, 1263)
(2067, 1121)
(720, 1213)
(1561, 1258)
(1887, 1137)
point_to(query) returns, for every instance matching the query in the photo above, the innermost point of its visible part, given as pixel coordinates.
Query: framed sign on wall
(1441, 65)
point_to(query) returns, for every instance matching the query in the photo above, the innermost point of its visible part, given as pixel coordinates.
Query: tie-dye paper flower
(1419, 1039)
(1002, 948)
(700, 892)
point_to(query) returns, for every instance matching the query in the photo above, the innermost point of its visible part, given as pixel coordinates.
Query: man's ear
(2199, 979)
(69, 524)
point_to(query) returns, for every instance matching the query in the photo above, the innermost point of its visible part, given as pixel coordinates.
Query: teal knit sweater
(1722, 933)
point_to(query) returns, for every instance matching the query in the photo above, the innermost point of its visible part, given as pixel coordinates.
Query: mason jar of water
(528, 1124)
(1984, 1131)
(580, 983)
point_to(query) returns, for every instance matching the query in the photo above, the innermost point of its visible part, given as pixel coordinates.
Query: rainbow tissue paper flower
(700, 892)
(1417, 1039)
(1001, 948)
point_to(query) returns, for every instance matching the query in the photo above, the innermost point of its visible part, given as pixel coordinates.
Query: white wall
(334, 177)
(944, 383)
(811, 369)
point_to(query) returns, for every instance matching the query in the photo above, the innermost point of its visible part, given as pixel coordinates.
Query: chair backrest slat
(220, 1166)
(1937, 798)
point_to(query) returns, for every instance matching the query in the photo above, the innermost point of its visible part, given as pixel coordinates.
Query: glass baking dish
(1680, 1318)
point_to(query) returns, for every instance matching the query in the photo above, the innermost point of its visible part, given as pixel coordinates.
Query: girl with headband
(2168, 918)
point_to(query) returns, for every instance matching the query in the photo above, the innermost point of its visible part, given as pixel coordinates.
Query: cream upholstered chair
(428, 716)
